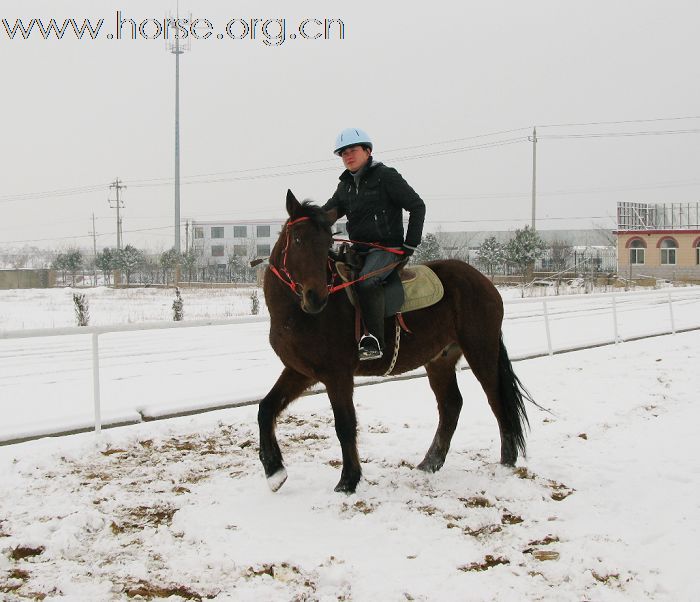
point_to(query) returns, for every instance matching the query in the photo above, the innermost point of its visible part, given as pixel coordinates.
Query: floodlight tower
(177, 47)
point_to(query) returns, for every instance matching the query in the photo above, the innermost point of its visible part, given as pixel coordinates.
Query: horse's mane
(316, 214)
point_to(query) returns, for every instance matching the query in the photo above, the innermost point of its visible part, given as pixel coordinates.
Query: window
(668, 251)
(240, 250)
(263, 250)
(217, 232)
(263, 231)
(696, 244)
(240, 231)
(198, 232)
(217, 250)
(637, 252)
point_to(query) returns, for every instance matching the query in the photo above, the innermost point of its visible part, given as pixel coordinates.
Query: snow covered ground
(53, 307)
(606, 506)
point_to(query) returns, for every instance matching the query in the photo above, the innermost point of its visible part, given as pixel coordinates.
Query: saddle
(407, 290)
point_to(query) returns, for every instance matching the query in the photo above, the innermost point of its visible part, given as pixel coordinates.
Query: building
(216, 242)
(659, 240)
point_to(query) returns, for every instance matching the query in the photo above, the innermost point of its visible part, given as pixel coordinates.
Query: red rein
(284, 275)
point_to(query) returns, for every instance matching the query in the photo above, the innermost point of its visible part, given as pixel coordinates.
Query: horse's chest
(284, 337)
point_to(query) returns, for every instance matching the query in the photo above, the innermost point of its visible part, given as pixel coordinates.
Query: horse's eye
(297, 240)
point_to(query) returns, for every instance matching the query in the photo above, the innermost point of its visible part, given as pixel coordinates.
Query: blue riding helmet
(351, 137)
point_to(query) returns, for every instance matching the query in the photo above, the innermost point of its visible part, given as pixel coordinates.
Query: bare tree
(561, 254)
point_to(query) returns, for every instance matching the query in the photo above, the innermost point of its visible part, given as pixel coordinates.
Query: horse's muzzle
(312, 303)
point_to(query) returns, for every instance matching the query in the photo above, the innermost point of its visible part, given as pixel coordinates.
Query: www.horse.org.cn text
(269, 31)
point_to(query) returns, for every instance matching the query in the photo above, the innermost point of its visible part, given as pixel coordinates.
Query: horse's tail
(514, 419)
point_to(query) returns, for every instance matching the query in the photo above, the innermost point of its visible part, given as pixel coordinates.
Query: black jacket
(375, 209)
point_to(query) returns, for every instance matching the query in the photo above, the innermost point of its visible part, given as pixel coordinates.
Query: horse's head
(300, 256)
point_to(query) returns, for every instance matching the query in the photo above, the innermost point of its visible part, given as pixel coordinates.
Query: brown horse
(313, 333)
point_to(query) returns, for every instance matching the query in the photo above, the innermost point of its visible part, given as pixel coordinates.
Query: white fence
(539, 312)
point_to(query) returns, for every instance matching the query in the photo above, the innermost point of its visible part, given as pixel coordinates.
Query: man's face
(354, 157)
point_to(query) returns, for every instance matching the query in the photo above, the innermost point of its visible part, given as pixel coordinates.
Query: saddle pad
(422, 288)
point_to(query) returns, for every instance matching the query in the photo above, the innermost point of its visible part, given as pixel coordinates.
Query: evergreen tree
(168, 261)
(82, 309)
(60, 264)
(178, 307)
(492, 254)
(523, 250)
(105, 262)
(73, 262)
(254, 303)
(128, 260)
(429, 249)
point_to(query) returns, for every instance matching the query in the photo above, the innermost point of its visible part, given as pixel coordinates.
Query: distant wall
(11, 279)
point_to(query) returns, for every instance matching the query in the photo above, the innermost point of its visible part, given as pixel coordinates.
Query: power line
(265, 176)
(553, 125)
(619, 134)
(10, 242)
(13, 198)
(334, 165)
(213, 177)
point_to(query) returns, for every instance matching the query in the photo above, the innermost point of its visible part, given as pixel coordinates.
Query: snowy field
(52, 308)
(606, 506)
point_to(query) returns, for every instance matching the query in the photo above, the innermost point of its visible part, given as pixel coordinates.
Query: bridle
(283, 273)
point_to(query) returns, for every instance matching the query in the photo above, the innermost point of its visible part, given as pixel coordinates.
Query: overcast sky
(423, 80)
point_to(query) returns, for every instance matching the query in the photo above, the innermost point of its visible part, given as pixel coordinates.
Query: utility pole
(94, 250)
(187, 236)
(533, 138)
(118, 204)
(177, 49)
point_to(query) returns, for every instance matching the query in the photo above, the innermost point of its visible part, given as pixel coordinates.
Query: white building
(217, 241)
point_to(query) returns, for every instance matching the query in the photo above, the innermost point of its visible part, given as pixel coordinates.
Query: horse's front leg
(288, 387)
(340, 390)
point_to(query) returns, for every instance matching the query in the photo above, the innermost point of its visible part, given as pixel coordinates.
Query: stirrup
(369, 348)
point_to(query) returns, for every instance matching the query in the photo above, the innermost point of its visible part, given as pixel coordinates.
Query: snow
(605, 507)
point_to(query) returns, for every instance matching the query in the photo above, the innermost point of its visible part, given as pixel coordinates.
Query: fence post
(96, 381)
(614, 311)
(670, 307)
(546, 326)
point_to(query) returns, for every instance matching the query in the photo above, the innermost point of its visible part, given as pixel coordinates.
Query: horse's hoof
(345, 487)
(275, 481)
(430, 465)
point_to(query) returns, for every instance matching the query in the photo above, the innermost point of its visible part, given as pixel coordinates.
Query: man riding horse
(373, 197)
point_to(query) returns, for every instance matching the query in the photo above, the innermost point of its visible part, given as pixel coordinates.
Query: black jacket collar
(371, 165)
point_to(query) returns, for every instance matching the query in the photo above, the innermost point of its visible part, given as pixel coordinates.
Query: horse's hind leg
(492, 368)
(288, 387)
(443, 382)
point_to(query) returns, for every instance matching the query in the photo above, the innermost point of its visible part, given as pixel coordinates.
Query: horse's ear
(293, 205)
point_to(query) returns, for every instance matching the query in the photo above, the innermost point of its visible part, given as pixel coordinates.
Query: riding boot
(371, 299)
